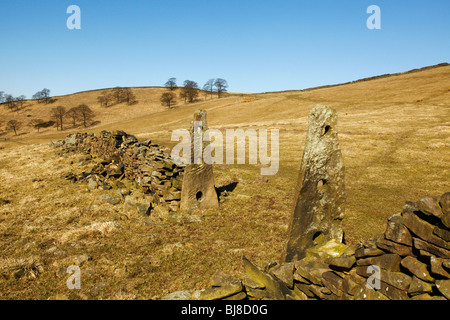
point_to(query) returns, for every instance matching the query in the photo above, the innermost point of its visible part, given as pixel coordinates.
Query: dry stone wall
(410, 260)
(123, 156)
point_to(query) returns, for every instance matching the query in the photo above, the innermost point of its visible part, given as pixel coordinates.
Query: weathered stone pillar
(198, 191)
(320, 190)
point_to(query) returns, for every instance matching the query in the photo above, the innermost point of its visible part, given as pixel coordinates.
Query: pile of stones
(123, 156)
(410, 260)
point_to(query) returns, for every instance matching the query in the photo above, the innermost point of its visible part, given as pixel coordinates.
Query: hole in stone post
(325, 130)
(316, 236)
(199, 196)
(321, 183)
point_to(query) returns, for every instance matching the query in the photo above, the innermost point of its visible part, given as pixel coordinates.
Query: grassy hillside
(394, 133)
(148, 102)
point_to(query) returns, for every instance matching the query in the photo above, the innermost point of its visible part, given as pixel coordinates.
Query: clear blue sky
(255, 45)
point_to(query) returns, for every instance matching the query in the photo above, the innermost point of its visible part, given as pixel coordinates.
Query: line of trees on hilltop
(60, 116)
(17, 103)
(42, 96)
(115, 96)
(81, 114)
(12, 103)
(190, 90)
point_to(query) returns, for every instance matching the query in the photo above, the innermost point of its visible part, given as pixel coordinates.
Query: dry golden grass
(395, 138)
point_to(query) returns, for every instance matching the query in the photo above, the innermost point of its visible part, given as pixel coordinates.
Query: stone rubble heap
(410, 260)
(123, 156)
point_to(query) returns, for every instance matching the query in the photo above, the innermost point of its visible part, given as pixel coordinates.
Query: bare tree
(73, 114)
(168, 99)
(183, 95)
(105, 100)
(10, 102)
(46, 95)
(171, 84)
(42, 96)
(209, 87)
(128, 96)
(189, 91)
(85, 113)
(58, 114)
(14, 125)
(221, 86)
(20, 101)
(2, 96)
(36, 124)
(37, 96)
(118, 94)
(101, 99)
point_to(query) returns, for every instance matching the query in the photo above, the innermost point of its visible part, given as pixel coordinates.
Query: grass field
(394, 134)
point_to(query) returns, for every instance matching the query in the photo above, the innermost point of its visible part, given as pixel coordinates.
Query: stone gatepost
(198, 191)
(320, 190)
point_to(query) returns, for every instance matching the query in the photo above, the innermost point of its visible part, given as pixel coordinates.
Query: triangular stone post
(320, 189)
(198, 191)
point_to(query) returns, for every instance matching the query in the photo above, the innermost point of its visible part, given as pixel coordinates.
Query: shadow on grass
(223, 190)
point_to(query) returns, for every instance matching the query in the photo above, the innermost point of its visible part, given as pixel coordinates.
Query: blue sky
(255, 45)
